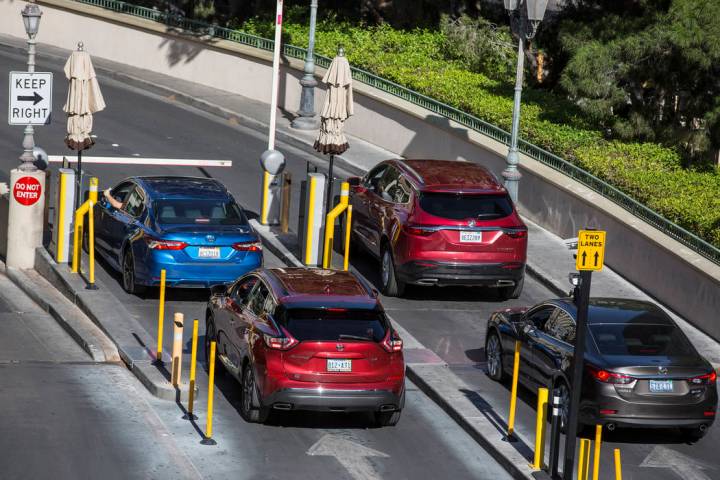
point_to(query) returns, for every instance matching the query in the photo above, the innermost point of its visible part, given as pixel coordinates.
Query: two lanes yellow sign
(591, 250)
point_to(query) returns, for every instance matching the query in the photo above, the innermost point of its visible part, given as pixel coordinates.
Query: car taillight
(156, 244)
(609, 377)
(707, 379)
(285, 342)
(418, 230)
(392, 342)
(248, 246)
(516, 233)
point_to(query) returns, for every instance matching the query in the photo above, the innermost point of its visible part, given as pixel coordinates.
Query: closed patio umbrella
(337, 108)
(84, 98)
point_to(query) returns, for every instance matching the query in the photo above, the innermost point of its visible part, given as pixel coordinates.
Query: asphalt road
(451, 322)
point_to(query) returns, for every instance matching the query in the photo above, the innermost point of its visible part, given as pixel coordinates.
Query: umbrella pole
(78, 200)
(328, 202)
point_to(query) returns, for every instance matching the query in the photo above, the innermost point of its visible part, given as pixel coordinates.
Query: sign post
(590, 257)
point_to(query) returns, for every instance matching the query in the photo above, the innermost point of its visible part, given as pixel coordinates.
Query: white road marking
(134, 160)
(115, 145)
(352, 456)
(684, 467)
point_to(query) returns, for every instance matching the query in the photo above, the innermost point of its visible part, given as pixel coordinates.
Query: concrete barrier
(664, 268)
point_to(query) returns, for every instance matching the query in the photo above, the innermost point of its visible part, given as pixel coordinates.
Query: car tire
(387, 419)
(391, 285)
(493, 355)
(564, 392)
(507, 293)
(251, 409)
(210, 335)
(692, 435)
(128, 273)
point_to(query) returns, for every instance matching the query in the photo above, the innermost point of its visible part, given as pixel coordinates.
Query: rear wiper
(354, 337)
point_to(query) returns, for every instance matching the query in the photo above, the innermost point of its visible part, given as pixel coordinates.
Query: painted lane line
(169, 162)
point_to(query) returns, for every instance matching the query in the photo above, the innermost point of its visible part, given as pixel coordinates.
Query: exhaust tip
(427, 281)
(610, 427)
(282, 406)
(703, 427)
(388, 408)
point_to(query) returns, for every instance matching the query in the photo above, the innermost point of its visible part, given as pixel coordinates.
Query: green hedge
(650, 173)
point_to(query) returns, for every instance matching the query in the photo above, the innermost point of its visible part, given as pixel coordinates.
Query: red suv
(301, 339)
(439, 222)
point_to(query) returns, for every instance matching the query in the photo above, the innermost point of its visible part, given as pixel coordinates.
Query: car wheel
(250, 408)
(210, 335)
(128, 273)
(493, 354)
(564, 393)
(391, 285)
(387, 419)
(514, 291)
(692, 435)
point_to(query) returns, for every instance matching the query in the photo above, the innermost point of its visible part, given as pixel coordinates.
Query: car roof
(179, 187)
(622, 311)
(452, 175)
(316, 287)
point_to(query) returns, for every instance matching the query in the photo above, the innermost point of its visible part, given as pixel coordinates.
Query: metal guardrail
(202, 29)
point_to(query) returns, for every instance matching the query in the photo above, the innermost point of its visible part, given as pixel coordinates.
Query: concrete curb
(134, 345)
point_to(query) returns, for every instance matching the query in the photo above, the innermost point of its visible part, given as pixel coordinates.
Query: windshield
(641, 339)
(457, 206)
(202, 212)
(332, 325)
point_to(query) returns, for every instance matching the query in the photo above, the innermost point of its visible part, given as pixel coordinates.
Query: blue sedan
(190, 227)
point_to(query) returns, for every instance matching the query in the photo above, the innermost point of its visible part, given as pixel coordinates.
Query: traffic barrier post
(598, 445)
(584, 459)
(555, 435)
(618, 465)
(193, 363)
(285, 202)
(64, 207)
(208, 440)
(91, 247)
(540, 429)
(86, 208)
(330, 223)
(348, 226)
(161, 317)
(176, 370)
(513, 391)
(312, 211)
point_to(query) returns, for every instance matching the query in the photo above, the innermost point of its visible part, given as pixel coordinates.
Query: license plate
(661, 386)
(334, 365)
(471, 237)
(209, 252)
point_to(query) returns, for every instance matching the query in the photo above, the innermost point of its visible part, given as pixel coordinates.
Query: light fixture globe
(535, 9)
(31, 18)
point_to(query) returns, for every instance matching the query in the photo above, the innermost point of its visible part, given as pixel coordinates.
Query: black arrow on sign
(35, 98)
(584, 256)
(596, 258)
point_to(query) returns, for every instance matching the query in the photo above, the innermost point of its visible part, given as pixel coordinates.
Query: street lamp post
(31, 18)
(524, 24)
(306, 119)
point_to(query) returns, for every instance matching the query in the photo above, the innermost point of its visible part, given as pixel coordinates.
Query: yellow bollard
(618, 465)
(77, 236)
(584, 459)
(348, 226)
(161, 317)
(178, 322)
(211, 386)
(513, 391)
(598, 445)
(193, 362)
(267, 178)
(540, 429)
(91, 242)
(330, 223)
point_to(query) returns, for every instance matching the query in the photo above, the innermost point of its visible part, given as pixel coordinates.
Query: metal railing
(205, 30)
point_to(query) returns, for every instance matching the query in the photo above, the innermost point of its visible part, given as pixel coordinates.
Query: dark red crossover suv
(439, 222)
(307, 339)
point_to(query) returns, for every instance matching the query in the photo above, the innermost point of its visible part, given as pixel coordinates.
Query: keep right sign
(591, 250)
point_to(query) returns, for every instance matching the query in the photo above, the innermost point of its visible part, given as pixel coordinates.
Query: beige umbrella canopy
(337, 108)
(84, 98)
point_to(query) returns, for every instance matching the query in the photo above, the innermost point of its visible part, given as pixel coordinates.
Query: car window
(539, 317)
(457, 206)
(641, 339)
(242, 289)
(120, 192)
(134, 205)
(257, 298)
(372, 179)
(270, 305)
(561, 325)
(388, 183)
(198, 211)
(326, 325)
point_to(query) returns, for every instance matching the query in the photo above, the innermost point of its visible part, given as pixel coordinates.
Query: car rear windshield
(201, 212)
(332, 325)
(641, 339)
(458, 206)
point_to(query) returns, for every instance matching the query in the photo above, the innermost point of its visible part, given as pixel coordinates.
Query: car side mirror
(218, 290)
(354, 181)
(528, 328)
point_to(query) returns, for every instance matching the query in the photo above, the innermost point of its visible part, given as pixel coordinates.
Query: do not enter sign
(27, 190)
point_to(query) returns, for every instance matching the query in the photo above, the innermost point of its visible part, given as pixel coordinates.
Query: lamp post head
(31, 18)
(535, 9)
(511, 5)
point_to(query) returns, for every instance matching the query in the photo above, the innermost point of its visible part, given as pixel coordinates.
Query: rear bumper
(471, 274)
(198, 274)
(329, 400)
